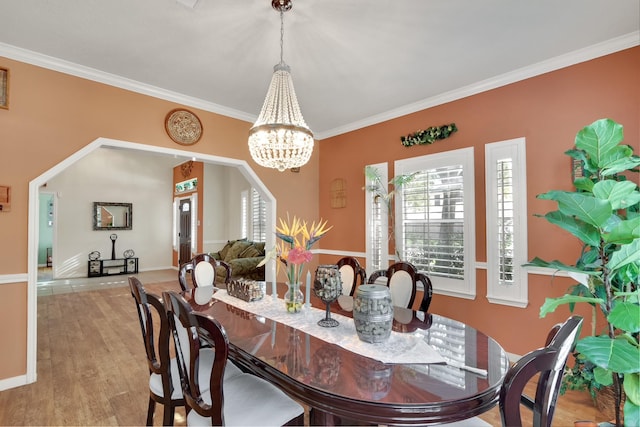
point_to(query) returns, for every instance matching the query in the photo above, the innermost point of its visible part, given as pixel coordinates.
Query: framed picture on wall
(4, 88)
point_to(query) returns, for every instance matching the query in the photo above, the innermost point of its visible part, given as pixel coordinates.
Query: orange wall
(547, 110)
(52, 115)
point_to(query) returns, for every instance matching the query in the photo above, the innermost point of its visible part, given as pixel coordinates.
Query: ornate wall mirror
(112, 216)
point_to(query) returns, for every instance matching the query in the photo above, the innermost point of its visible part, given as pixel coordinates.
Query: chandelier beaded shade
(280, 138)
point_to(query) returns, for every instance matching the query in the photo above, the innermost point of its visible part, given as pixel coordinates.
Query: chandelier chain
(281, 35)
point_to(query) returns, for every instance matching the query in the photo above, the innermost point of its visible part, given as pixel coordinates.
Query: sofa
(243, 257)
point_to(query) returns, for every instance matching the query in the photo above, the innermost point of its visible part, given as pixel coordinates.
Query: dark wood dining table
(341, 386)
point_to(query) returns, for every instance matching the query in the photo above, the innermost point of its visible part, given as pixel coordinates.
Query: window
(505, 164)
(377, 217)
(435, 220)
(244, 213)
(258, 217)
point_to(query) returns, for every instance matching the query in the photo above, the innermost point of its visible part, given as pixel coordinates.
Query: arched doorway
(34, 207)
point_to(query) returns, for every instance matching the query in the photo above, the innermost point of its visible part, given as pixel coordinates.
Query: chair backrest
(428, 291)
(376, 275)
(402, 283)
(402, 278)
(351, 273)
(549, 362)
(158, 357)
(202, 269)
(188, 329)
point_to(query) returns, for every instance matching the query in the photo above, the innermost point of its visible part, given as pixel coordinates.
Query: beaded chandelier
(280, 138)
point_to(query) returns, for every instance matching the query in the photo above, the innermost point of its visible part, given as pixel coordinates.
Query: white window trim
(384, 226)
(515, 294)
(456, 288)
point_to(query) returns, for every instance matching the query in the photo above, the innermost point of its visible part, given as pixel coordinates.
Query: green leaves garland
(429, 135)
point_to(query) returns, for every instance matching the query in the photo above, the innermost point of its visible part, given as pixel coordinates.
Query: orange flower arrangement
(294, 248)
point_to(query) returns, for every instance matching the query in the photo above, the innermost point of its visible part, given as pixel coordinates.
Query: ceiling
(353, 62)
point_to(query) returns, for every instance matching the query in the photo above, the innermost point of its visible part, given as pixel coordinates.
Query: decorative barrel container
(373, 313)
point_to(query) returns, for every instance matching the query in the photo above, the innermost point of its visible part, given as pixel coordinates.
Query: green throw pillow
(250, 252)
(237, 247)
(225, 249)
(260, 247)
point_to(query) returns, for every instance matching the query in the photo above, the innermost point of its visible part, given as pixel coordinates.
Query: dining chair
(377, 274)
(351, 273)
(202, 269)
(402, 278)
(547, 362)
(240, 400)
(427, 291)
(164, 379)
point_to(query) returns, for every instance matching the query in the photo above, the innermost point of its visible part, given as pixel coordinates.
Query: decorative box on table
(246, 290)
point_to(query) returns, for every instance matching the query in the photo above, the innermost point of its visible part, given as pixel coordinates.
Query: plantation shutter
(433, 222)
(259, 217)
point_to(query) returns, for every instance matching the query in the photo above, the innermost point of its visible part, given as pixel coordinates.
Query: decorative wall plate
(94, 255)
(129, 253)
(183, 126)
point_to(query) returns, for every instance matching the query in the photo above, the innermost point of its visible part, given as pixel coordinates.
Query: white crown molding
(581, 55)
(56, 64)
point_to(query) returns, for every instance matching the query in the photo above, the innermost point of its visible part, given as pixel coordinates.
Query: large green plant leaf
(621, 165)
(581, 205)
(557, 265)
(632, 388)
(599, 140)
(603, 376)
(583, 231)
(615, 161)
(550, 304)
(624, 232)
(625, 255)
(625, 316)
(617, 355)
(631, 414)
(584, 184)
(621, 194)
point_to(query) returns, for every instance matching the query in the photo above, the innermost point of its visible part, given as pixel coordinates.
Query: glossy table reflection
(341, 385)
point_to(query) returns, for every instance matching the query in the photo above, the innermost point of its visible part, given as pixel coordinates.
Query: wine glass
(328, 287)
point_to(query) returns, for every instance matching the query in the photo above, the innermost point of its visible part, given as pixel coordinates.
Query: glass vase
(328, 286)
(293, 298)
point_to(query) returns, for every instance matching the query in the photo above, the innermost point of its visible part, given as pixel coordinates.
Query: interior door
(184, 253)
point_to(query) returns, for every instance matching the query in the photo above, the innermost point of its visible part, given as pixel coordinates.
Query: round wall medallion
(183, 126)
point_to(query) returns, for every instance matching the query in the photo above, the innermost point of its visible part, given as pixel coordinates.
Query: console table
(109, 267)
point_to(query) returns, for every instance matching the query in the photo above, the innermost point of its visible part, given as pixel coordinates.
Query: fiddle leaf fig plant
(603, 213)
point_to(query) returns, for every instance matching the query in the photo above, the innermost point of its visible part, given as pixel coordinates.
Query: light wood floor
(92, 369)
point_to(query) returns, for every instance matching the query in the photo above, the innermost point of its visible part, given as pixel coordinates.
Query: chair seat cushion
(251, 401)
(206, 360)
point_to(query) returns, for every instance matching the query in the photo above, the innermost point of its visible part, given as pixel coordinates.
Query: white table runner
(399, 348)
